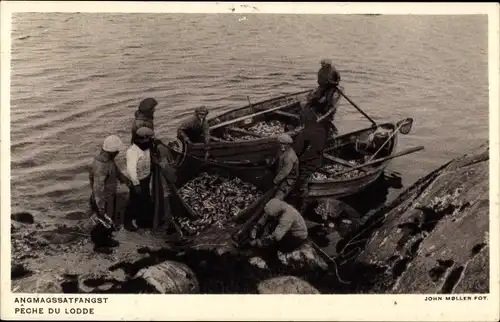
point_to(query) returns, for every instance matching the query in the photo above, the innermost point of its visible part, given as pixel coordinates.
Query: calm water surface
(77, 78)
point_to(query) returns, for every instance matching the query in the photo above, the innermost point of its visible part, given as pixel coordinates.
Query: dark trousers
(140, 204)
(326, 91)
(306, 171)
(289, 243)
(100, 235)
(285, 187)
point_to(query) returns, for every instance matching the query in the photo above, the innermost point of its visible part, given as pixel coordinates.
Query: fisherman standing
(328, 80)
(144, 115)
(103, 176)
(139, 164)
(288, 167)
(196, 129)
(309, 146)
(289, 234)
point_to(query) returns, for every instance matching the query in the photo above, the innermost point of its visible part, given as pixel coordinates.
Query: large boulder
(168, 277)
(304, 258)
(39, 283)
(23, 217)
(286, 285)
(435, 238)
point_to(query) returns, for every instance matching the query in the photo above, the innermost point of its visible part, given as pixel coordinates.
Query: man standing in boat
(309, 145)
(104, 176)
(139, 163)
(144, 116)
(328, 80)
(290, 233)
(288, 167)
(196, 129)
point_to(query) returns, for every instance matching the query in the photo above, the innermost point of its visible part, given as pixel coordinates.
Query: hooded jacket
(143, 117)
(328, 76)
(290, 221)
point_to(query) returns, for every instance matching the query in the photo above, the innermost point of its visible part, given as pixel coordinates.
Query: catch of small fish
(265, 128)
(215, 199)
(336, 169)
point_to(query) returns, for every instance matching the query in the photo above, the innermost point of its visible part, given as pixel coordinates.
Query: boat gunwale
(213, 118)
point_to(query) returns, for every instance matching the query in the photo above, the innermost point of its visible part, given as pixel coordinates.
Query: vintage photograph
(249, 153)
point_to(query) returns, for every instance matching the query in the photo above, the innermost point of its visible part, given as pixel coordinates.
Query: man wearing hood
(139, 166)
(104, 175)
(291, 231)
(144, 116)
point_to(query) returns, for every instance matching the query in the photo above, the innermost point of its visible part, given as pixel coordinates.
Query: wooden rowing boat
(233, 142)
(344, 151)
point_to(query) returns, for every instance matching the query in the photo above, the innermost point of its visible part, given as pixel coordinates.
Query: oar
(357, 107)
(404, 152)
(338, 160)
(324, 116)
(242, 131)
(239, 119)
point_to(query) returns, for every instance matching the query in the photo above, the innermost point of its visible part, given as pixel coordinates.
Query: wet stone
(286, 285)
(23, 217)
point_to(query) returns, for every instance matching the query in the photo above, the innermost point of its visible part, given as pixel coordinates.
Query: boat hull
(247, 151)
(331, 188)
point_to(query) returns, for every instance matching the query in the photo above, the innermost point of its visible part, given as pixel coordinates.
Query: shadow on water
(374, 195)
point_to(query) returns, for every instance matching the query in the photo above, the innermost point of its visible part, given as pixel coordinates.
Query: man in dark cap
(139, 171)
(288, 167)
(144, 115)
(196, 129)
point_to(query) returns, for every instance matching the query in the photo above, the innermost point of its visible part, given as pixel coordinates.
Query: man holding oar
(328, 80)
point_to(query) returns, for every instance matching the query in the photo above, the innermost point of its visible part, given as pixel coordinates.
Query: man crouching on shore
(289, 234)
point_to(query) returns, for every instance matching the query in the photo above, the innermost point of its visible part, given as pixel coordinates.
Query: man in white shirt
(139, 172)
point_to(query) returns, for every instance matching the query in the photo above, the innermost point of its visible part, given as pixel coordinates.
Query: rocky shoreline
(433, 238)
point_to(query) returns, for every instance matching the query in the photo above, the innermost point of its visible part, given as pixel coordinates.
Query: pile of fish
(265, 128)
(336, 169)
(215, 199)
(268, 128)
